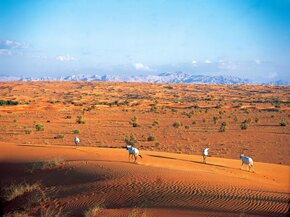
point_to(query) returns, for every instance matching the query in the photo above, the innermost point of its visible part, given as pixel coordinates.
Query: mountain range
(168, 77)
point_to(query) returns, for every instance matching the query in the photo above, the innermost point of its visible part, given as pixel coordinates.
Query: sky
(243, 38)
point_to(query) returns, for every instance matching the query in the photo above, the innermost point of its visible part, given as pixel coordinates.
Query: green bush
(27, 131)
(223, 127)
(157, 144)
(244, 125)
(150, 138)
(130, 140)
(135, 124)
(59, 136)
(80, 120)
(155, 122)
(8, 102)
(284, 123)
(176, 124)
(76, 131)
(39, 127)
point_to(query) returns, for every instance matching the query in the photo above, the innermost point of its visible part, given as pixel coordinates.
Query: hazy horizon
(243, 38)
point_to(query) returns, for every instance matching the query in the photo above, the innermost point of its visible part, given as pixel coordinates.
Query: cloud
(11, 44)
(11, 47)
(141, 67)
(227, 65)
(271, 75)
(207, 61)
(65, 58)
(258, 62)
(193, 61)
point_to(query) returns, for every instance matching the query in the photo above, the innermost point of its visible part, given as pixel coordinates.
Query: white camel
(248, 161)
(77, 140)
(133, 152)
(204, 154)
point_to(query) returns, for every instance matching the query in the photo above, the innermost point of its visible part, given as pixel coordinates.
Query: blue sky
(245, 38)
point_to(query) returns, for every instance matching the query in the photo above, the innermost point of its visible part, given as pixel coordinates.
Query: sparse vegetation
(157, 144)
(223, 127)
(39, 127)
(16, 190)
(244, 125)
(91, 212)
(47, 165)
(8, 102)
(284, 123)
(51, 212)
(80, 120)
(68, 117)
(131, 140)
(27, 131)
(176, 124)
(76, 131)
(155, 123)
(59, 136)
(151, 138)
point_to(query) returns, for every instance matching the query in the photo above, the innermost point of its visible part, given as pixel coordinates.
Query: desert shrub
(47, 165)
(8, 102)
(235, 119)
(223, 127)
(39, 127)
(16, 214)
(131, 140)
(244, 125)
(80, 120)
(155, 122)
(151, 138)
(68, 117)
(157, 144)
(91, 212)
(51, 212)
(186, 127)
(135, 124)
(153, 109)
(27, 131)
(284, 123)
(76, 131)
(193, 122)
(256, 119)
(134, 119)
(218, 106)
(203, 120)
(13, 191)
(248, 120)
(176, 124)
(14, 121)
(59, 136)
(215, 118)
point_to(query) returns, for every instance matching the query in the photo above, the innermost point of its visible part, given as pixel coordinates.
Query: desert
(44, 173)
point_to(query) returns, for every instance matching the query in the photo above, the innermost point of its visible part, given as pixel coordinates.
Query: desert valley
(43, 173)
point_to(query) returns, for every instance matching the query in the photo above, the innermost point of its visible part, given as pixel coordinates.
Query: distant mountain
(167, 77)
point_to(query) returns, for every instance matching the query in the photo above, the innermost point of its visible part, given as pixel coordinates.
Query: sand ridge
(160, 181)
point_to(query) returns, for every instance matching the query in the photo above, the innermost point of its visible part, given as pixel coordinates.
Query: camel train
(134, 153)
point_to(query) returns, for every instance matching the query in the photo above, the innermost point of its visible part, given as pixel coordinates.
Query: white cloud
(228, 65)
(11, 44)
(141, 67)
(193, 61)
(11, 47)
(207, 61)
(258, 62)
(65, 58)
(271, 75)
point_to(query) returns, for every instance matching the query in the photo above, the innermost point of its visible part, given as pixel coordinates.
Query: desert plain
(43, 173)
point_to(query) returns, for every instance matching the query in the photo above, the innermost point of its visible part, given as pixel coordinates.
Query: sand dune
(161, 184)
